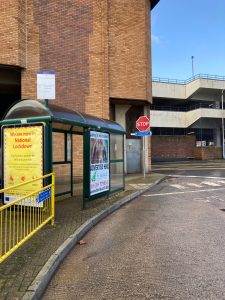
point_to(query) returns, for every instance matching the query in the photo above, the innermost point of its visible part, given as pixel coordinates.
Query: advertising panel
(22, 160)
(99, 162)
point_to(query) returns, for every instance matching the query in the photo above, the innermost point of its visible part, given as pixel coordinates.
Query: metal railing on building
(23, 217)
(183, 108)
(198, 76)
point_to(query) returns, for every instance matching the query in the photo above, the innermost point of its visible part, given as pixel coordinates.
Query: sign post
(143, 125)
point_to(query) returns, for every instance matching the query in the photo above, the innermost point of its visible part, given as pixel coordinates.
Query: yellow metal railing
(23, 217)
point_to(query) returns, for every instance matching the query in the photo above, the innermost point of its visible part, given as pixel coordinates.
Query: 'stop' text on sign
(143, 123)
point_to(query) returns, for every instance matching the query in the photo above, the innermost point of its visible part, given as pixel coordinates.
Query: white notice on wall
(46, 85)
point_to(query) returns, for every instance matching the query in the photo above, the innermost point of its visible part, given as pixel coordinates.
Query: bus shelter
(76, 146)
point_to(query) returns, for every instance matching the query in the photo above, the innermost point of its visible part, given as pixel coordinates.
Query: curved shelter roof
(28, 111)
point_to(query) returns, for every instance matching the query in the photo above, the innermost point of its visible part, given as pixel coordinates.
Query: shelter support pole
(123, 162)
(48, 149)
(86, 166)
(71, 165)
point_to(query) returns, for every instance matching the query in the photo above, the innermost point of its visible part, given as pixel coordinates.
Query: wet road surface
(167, 244)
(215, 168)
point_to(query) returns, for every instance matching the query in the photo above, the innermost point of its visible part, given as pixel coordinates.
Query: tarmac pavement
(169, 243)
(26, 273)
(215, 168)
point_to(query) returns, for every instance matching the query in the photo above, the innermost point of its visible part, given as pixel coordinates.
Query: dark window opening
(132, 115)
(10, 88)
(202, 134)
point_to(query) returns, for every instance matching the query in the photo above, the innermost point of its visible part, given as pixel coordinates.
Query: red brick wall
(129, 49)
(208, 153)
(97, 100)
(32, 63)
(70, 38)
(169, 147)
(13, 32)
(64, 28)
(97, 48)
(148, 50)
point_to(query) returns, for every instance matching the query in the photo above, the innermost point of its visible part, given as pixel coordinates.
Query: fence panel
(23, 217)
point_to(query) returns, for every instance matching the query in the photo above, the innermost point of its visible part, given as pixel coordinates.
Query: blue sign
(43, 196)
(142, 133)
(46, 72)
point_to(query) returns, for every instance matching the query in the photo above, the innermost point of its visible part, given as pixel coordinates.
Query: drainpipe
(222, 126)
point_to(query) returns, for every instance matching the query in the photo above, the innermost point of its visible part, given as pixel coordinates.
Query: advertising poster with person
(22, 160)
(99, 162)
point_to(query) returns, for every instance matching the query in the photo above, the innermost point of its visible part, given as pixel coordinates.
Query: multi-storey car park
(187, 118)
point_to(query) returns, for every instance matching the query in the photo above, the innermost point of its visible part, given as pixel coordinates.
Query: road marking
(187, 169)
(221, 181)
(209, 165)
(178, 186)
(202, 200)
(210, 183)
(185, 192)
(193, 176)
(194, 184)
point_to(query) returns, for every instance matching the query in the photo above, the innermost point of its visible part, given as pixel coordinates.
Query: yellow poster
(22, 159)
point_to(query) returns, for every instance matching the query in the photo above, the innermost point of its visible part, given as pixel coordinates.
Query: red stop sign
(143, 123)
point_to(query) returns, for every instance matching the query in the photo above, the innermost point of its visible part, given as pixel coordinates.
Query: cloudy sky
(185, 28)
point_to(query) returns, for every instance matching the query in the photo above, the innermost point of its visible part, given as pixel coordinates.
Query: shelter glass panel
(58, 146)
(116, 146)
(116, 176)
(63, 178)
(68, 147)
(77, 141)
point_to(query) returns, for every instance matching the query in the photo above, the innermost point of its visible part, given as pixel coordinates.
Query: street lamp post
(192, 60)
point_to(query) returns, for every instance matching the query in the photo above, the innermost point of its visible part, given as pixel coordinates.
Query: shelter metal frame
(68, 122)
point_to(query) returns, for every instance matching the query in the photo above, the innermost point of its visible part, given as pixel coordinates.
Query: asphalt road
(167, 244)
(215, 168)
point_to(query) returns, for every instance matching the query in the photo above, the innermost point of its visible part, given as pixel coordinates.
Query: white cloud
(156, 39)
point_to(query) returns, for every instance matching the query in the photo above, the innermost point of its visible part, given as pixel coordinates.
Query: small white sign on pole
(46, 85)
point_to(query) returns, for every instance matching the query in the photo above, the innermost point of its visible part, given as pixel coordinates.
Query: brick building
(100, 51)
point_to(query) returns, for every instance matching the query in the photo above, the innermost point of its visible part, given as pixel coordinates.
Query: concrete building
(187, 118)
(100, 51)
